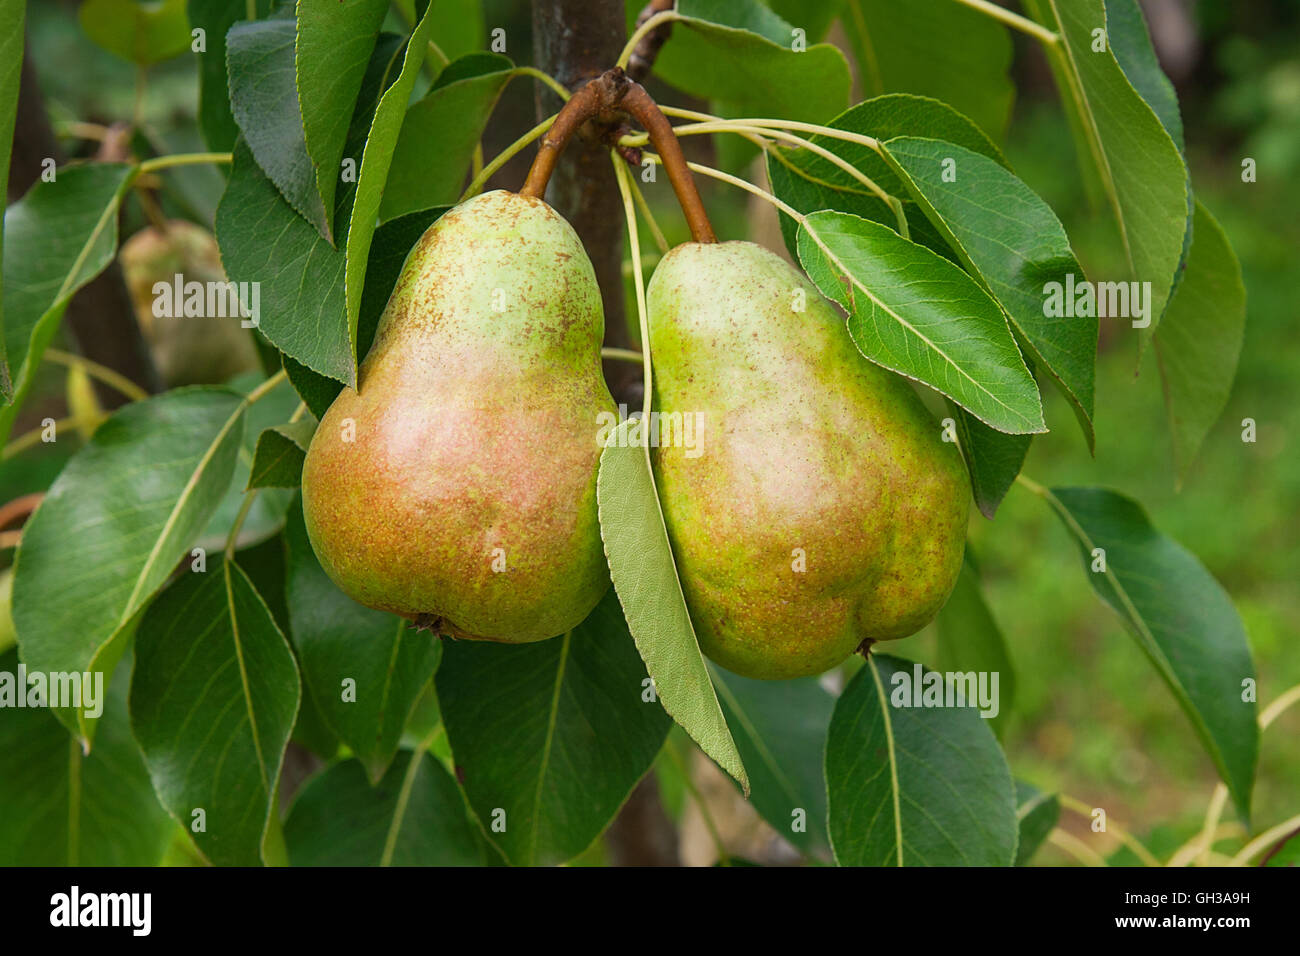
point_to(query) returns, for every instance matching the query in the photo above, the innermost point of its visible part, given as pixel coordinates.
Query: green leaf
(970, 640)
(334, 44)
(141, 33)
(215, 18)
(213, 702)
(1038, 813)
(1014, 246)
(780, 728)
(1181, 618)
(415, 816)
(11, 61)
(440, 132)
(914, 786)
(645, 578)
(392, 243)
(1121, 143)
(457, 26)
(993, 458)
(66, 808)
(915, 313)
(814, 17)
(278, 458)
(366, 669)
(809, 182)
(935, 48)
(265, 517)
(1199, 339)
(58, 237)
(740, 53)
(264, 101)
(300, 274)
(373, 173)
(550, 738)
(121, 515)
(1131, 43)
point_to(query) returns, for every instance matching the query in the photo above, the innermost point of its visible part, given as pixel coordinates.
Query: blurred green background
(1092, 718)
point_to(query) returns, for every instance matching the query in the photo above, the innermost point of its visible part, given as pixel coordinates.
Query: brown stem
(21, 507)
(600, 95)
(643, 109)
(643, 57)
(601, 99)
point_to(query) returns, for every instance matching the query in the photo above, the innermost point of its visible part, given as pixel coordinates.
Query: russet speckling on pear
(825, 509)
(456, 486)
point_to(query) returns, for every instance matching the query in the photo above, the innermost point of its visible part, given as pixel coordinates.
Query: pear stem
(602, 99)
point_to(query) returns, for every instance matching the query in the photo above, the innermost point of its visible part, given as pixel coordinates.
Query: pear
(456, 486)
(186, 349)
(819, 507)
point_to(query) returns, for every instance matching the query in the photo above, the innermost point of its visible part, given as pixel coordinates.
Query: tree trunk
(575, 41)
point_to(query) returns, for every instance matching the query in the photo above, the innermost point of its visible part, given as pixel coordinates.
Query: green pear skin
(457, 485)
(821, 507)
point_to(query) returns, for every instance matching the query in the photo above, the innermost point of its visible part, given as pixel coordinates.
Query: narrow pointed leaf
(333, 47)
(440, 132)
(58, 237)
(126, 508)
(414, 816)
(366, 669)
(914, 786)
(1012, 242)
(645, 578)
(1199, 339)
(372, 174)
(550, 738)
(66, 808)
(213, 702)
(917, 314)
(1181, 618)
(1123, 146)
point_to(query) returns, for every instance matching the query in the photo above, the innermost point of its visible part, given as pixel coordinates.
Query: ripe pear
(456, 486)
(820, 507)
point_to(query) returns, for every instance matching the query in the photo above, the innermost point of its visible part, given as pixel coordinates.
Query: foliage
(169, 556)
